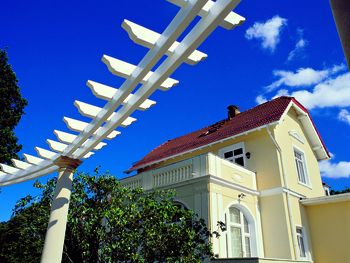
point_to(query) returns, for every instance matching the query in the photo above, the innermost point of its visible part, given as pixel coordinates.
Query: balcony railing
(189, 169)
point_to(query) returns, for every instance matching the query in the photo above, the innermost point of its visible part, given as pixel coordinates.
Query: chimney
(233, 111)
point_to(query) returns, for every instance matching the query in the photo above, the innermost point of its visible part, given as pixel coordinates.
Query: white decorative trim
(297, 136)
(279, 190)
(326, 199)
(260, 241)
(310, 129)
(223, 182)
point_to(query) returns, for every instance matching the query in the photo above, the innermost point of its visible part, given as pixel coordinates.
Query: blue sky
(285, 47)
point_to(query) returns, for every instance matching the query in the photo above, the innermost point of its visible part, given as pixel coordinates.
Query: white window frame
(307, 182)
(244, 234)
(305, 243)
(233, 147)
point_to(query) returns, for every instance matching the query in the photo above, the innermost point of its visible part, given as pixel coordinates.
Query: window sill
(305, 185)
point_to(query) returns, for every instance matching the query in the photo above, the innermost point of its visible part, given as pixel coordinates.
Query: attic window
(213, 128)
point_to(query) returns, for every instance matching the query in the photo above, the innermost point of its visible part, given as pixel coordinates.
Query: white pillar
(55, 234)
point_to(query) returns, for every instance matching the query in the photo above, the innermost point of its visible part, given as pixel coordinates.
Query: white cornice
(326, 199)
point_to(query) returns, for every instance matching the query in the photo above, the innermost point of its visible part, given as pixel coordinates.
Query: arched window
(181, 206)
(239, 234)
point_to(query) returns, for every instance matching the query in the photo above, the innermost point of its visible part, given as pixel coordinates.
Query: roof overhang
(311, 132)
(341, 14)
(326, 199)
(201, 147)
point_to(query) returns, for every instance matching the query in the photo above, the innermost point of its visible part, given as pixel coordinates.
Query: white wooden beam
(20, 164)
(46, 154)
(69, 138)
(124, 70)
(230, 21)
(105, 92)
(64, 136)
(79, 126)
(92, 111)
(56, 146)
(33, 159)
(148, 38)
(8, 169)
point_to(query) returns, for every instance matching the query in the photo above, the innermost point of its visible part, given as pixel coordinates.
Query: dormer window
(234, 153)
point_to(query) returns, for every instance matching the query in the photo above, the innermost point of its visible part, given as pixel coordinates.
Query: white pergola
(140, 82)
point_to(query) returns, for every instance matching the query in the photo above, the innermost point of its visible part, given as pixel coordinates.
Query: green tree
(11, 110)
(108, 223)
(338, 192)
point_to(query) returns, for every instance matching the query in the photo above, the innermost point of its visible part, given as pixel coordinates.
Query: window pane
(228, 154)
(239, 161)
(301, 243)
(236, 242)
(234, 215)
(246, 226)
(247, 247)
(238, 151)
(298, 155)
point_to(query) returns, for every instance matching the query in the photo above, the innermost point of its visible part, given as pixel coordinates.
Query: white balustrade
(184, 171)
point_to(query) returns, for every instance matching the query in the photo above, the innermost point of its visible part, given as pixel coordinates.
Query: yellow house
(256, 171)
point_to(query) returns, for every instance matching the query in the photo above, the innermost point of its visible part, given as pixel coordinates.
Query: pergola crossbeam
(105, 92)
(231, 21)
(20, 164)
(124, 70)
(148, 38)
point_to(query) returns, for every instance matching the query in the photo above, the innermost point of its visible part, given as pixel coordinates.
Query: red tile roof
(258, 116)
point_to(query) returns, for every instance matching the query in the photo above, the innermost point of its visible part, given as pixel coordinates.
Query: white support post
(55, 234)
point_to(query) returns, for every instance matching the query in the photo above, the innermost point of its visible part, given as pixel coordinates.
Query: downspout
(285, 185)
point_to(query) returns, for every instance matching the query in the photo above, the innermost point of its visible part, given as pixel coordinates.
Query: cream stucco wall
(275, 227)
(287, 144)
(329, 226)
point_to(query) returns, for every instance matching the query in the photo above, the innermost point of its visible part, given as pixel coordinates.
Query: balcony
(209, 165)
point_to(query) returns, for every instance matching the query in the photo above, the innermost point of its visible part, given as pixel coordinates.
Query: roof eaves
(134, 168)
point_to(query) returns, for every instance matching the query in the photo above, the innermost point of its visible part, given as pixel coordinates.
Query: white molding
(297, 136)
(279, 190)
(260, 240)
(304, 116)
(326, 199)
(223, 182)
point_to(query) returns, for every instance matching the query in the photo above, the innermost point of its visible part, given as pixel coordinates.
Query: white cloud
(335, 170)
(260, 99)
(299, 46)
(334, 92)
(302, 77)
(268, 32)
(344, 116)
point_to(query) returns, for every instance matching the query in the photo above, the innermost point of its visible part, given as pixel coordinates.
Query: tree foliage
(11, 109)
(107, 223)
(338, 192)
